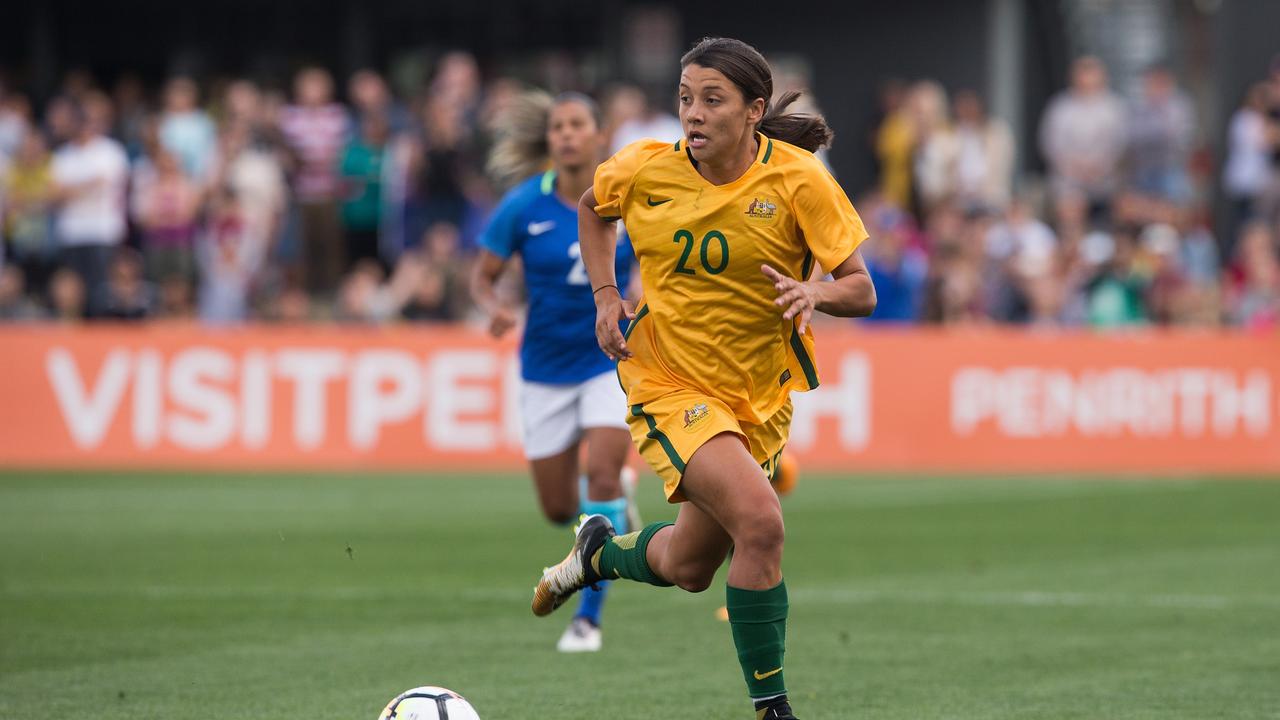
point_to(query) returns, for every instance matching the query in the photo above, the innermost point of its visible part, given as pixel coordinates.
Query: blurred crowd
(1119, 230)
(232, 202)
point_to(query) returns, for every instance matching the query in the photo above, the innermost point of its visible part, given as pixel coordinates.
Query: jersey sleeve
(614, 178)
(502, 235)
(832, 228)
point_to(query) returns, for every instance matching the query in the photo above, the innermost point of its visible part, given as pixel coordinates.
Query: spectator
(429, 294)
(291, 306)
(89, 175)
(242, 107)
(457, 84)
(1167, 284)
(1024, 279)
(953, 293)
(15, 122)
(1253, 282)
(315, 128)
(894, 144)
(176, 299)
(443, 245)
(638, 117)
(185, 129)
(897, 270)
(934, 161)
(370, 97)
(166, 203)
(1082, 136)
(984, 155)
(228, 258)
(1115, 297)
(127, 295)
(1270, 210)
(1023, 239)
(67, 296)
(362, 182)
(364, 298)
(249, 165)
(14, 303)
(1161, 128)
(442, 166)
(27, 190)
(131, 115)
(61, 120)
(1247, 171)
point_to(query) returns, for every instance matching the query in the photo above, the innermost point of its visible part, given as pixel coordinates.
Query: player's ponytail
(802, 130)
(520, 149)
(747, 68)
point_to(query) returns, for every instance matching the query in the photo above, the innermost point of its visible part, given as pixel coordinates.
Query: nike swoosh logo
(771, 673)
(537, 228)
(659, 202)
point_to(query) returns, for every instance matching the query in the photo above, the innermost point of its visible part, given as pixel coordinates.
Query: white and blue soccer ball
(429, 703)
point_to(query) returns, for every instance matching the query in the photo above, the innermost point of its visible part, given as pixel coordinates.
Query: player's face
(572, 135)
(716, 118)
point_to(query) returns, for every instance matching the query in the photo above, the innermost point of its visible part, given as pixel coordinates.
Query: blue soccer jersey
(559, 344)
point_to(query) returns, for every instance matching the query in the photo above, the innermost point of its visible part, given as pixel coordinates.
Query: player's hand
(501, 320)
(799, 298)
(611, 309)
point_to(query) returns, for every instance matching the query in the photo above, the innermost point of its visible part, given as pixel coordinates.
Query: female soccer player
(569, 394)
(726, 225)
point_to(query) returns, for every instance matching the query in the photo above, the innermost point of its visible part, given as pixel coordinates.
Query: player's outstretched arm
(484, 275)
(598, 239)
(849, 294)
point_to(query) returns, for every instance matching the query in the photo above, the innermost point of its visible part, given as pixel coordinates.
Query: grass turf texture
(254, 596)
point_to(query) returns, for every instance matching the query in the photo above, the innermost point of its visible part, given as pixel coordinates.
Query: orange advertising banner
(425, 398)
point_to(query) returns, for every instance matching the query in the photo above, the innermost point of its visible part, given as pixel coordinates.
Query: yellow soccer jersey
(706, 320)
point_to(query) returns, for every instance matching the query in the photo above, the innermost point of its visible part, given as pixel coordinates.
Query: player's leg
(728, 484)
(688, 553)
(551, 434)
(555, 482)
(600, 410)
(606, 454)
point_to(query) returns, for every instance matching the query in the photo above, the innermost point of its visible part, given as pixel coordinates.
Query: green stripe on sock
(624, 556)
(758, 619)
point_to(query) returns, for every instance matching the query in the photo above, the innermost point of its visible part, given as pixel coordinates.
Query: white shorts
(552, 417)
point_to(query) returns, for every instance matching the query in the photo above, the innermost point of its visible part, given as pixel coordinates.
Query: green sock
(759, 622)
(624, 557)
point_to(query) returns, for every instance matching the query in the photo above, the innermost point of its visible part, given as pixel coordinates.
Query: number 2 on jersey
(578, 274)
(704, 252)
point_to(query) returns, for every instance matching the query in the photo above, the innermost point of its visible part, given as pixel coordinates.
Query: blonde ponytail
(521, 146)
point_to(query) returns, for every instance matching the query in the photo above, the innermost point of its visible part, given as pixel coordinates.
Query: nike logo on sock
(761, 676)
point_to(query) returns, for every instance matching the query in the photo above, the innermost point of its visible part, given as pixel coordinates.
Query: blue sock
(592, 601)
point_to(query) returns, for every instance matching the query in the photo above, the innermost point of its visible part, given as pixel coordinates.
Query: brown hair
(747, 68)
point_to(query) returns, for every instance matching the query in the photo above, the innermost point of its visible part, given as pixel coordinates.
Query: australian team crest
(762, 209)
(695, 415)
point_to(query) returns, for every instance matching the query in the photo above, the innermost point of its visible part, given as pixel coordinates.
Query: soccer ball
(429, 703)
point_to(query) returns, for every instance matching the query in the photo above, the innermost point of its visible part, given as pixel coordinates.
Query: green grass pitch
(183, 596)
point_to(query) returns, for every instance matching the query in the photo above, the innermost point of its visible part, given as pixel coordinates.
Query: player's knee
(604, 481)
(763, 534)
(692, 579)
(559, 513)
